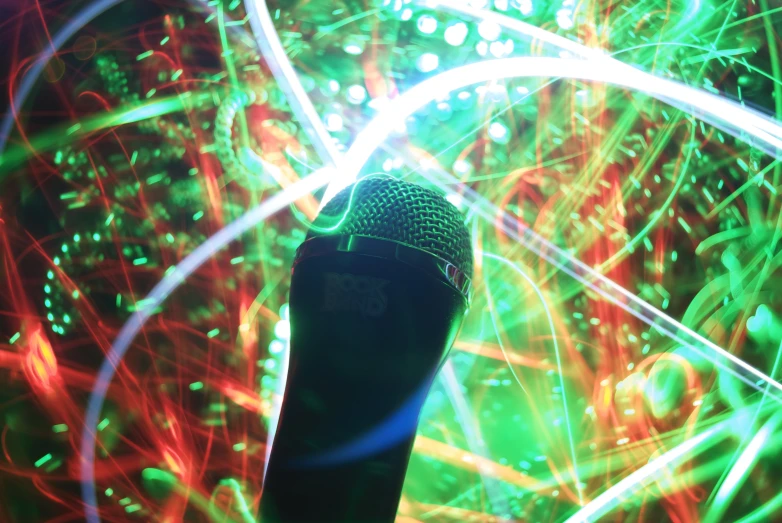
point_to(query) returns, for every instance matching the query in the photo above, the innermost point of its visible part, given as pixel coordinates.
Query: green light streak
(721, 498)
(716, 40)
(684, 225)
(345, 21)
(241, 505)
(145, 111)
(763, 514)
(612, 497)
(155, 178)
(227, 54)
(45, 459)
(776, 70)
(554, 342)
(738, 474)
(738, 192)
(744, 20)
(656, 215)
(715, 239)
(231, 107)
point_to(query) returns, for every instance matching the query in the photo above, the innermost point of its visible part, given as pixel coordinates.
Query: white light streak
(288, 81)
(618, 69)
(699, 102)
(606, 501)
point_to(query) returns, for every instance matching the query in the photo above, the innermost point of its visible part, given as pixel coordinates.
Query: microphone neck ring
(389, 250)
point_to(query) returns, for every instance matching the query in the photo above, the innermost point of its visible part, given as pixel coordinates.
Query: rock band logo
(350, 292)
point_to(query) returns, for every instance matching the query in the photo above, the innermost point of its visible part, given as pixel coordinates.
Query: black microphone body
(372, 320)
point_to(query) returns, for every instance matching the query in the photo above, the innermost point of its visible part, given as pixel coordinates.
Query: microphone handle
(368, 336)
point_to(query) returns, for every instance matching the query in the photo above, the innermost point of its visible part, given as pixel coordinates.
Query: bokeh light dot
(427, 24)
(456, 33)
(427, 62)
(464, 96)
(525, 7)
(356, 94)
(497, 49)
(282, 329)
(276, 347)
(499, 133)
(444, 111)
(565, 19)
(462, 167)
(489, 30)
(333, 122)
(497, 92)
(353, 46)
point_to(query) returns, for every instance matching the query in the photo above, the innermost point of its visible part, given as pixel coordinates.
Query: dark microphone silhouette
(378, 293)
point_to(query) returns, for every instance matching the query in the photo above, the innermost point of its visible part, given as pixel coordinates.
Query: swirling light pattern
(618, 165)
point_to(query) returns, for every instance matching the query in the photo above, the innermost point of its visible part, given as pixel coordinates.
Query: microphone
(378, 292)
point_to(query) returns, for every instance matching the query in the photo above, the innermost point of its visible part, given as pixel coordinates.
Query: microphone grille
(404, 212)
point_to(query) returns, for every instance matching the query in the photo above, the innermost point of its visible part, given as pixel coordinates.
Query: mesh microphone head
(392, 209)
